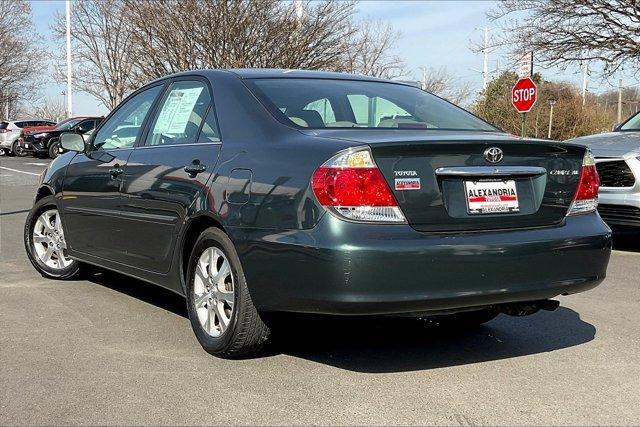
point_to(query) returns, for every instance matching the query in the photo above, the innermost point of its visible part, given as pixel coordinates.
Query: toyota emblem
(493, 154)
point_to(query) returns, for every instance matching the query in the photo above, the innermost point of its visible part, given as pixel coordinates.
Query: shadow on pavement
(151, 294)
(401, 345)
(392, 344)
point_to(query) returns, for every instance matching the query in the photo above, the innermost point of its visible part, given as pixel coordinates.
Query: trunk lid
(447, 165)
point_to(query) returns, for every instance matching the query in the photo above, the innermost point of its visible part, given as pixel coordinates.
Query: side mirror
(72, 142)
(615, 127)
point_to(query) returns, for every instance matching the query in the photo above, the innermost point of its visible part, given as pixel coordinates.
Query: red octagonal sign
(524, 95)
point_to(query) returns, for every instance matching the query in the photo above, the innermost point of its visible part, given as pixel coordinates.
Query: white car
(11, 130)
(617, 156)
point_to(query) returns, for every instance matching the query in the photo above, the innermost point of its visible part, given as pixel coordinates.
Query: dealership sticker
(407, 183)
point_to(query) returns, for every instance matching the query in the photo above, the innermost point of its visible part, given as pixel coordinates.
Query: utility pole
(69, 95)
(620, 101)
(299, 10)
(552, 102)
(423, 83)
(485, 66)
(585, 71)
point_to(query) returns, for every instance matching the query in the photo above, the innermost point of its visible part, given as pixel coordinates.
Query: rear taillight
(4, 130)
(351, 186)
(586, 198)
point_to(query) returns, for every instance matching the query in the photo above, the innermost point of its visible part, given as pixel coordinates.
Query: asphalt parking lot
(113, 350)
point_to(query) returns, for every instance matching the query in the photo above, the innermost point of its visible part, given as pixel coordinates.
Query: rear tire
(54, 148)
(222, 314)
(44, 241)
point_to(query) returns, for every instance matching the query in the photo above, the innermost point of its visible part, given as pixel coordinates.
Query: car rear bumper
(620, 207)
(348, 268)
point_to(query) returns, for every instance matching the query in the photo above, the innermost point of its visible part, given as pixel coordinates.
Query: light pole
(552, 102)
(69, 96)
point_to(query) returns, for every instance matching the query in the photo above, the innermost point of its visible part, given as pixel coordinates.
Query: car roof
(36, 119)
(268, 73)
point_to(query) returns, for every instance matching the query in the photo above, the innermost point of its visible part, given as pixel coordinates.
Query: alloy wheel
(48, 240)
(214, 291)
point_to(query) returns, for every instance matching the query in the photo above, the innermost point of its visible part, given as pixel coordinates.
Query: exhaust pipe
(529, 307)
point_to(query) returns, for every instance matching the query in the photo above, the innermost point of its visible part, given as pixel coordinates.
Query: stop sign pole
(523, 97)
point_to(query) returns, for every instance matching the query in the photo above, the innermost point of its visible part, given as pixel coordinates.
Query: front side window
(180, 115)
(123, 128)
(319, 103)
(86, 126)
(632, 124)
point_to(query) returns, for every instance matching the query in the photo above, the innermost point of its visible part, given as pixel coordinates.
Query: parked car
(260, 191)
(617, 156)
(11, 130)
(40, 127)
(47, 144)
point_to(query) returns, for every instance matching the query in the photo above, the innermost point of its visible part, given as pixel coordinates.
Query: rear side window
(180, 114)
(210, 132)
(20, 124)
(123, 128)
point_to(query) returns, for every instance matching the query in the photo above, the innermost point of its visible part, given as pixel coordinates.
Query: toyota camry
(252, 192)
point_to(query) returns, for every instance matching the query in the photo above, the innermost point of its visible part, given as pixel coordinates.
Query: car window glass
(361, 104)
(85, 126)
(324, 108)
(20, 124)
(122, 129)
(632, 124)
(4, 125)
(210, 131)
(180, 114)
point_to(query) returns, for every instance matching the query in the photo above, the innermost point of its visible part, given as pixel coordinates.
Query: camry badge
(493, 154)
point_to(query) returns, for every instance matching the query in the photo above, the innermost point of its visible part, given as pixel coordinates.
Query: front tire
(45, 243)
(18, 150)
(222, 314)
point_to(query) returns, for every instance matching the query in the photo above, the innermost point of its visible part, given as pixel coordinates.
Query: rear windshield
(632, 124)
(328, 103)
(68, 124)
(3, 125)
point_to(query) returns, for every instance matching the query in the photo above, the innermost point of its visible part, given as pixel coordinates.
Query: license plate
(491, 197)
(26, 145)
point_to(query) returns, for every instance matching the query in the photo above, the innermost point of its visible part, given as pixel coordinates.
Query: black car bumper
(35, 147)
(348, 268)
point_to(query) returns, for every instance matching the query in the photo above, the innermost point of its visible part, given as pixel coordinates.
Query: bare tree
(18, 76)
(101, 49)
(254, 33)
(442, 83)
(49, 108)
(565, 32)
(369, 51)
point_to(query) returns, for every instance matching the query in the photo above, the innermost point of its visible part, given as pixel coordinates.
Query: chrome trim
(188, 144)
(491, 171)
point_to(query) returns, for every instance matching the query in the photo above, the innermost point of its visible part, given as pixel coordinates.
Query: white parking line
(16, 170)
(37, 164)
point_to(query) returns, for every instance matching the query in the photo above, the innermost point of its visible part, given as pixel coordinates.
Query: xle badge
(407, 183)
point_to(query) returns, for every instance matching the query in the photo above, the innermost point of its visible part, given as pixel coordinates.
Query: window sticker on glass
(177, 109)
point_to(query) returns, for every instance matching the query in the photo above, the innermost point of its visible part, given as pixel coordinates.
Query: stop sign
(524, 94)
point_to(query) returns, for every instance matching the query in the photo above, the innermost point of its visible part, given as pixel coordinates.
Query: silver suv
(11, 130)
(617, 156)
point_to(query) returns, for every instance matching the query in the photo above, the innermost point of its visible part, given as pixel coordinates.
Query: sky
(435, 34)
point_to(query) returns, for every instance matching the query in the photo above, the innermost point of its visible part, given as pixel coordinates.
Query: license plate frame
(491, 197)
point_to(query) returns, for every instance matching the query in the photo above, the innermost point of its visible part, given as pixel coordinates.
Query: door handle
(195, 168)
(115, 172)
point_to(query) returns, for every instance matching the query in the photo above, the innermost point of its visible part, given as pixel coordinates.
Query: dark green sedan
(252, 192)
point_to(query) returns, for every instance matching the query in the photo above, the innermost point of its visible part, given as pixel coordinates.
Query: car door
(168, 171)
(91, 199)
